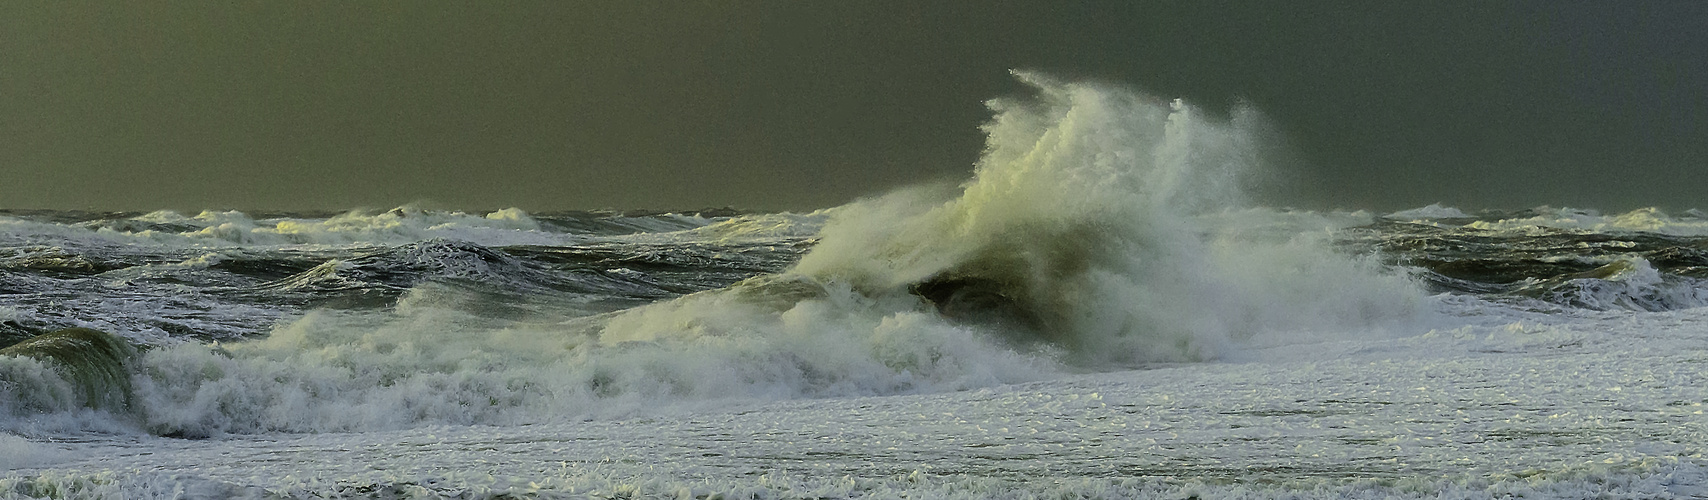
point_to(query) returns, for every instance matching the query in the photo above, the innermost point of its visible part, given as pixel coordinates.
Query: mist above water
(1106, 222)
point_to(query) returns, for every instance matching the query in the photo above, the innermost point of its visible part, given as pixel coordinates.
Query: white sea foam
(1615, 400)
(1650, 220)
(748, 228)
(1433, 211)
(765, 226)
(1670, 480)
(432, 364)
(17, 453)
(33, 387)
(509, 226)
(1628, 283)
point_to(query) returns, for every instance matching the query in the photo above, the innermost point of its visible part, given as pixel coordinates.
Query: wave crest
(1081, 224)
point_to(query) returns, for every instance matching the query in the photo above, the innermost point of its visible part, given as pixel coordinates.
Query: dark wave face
(1642, 260)
(230, 275)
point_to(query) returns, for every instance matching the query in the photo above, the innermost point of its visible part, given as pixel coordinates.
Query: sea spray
(1084, 221)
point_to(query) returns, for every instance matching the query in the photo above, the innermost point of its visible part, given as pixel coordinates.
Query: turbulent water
(1097, 312)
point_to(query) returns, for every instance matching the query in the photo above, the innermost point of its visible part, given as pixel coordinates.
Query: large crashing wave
(1101, 228)
(1097, 222)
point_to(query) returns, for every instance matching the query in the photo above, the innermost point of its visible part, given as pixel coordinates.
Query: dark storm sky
(798, 105)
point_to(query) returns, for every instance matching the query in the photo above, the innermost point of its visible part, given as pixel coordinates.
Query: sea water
(1098, 312)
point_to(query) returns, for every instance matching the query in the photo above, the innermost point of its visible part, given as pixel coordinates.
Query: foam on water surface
(217, 229)
(1502, 406)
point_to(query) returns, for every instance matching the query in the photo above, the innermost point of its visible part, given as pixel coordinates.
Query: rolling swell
(75, 367)
(366, 336)
(1640, 260)
(624, 274)
(227, 275)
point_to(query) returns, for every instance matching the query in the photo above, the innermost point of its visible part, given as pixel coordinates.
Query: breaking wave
(1641, 260)
(401, 225)
(1106, 222)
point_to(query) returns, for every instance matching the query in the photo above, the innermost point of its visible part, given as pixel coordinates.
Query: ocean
(1100, 311)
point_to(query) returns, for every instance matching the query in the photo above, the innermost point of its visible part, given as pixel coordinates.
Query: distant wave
(1643, 259)
(400, 225)
(1540, 220)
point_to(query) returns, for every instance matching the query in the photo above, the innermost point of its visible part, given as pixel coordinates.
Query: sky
(800, 105)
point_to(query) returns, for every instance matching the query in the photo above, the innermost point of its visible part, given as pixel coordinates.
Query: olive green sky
(799, 105)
